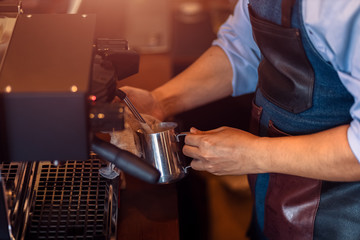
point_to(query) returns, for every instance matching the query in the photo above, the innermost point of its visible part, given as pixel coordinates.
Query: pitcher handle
(186, 168)
(177, 136)
(182, 134)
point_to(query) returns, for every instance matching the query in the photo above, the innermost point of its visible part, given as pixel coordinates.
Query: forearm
(206, 80)
(325, 155)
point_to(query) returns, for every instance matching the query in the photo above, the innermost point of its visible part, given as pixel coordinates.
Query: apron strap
(286, 9)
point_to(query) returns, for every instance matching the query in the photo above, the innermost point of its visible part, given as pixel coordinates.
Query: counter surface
(148, 211)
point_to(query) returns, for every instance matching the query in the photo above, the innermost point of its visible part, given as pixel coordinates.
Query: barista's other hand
(144, 101)
(222, 151)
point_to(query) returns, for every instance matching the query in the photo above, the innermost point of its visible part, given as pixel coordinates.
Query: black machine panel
(44, 83)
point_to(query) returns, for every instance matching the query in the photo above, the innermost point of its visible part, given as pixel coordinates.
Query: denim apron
(298, 93)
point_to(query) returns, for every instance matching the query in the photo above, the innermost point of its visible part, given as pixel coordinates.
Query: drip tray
(9, 174)
(72, 201)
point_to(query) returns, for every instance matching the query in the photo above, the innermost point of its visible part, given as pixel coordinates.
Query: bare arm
(325, 155)
(206, 80)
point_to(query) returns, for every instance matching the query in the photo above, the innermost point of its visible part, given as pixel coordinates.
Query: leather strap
(286, 9)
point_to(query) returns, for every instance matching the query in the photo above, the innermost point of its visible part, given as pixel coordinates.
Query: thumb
(195, 130)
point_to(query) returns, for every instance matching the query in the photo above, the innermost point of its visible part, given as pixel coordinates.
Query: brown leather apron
(291, 202)
(286, 79)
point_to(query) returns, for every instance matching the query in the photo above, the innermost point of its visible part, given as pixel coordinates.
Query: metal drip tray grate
(72, 202)
(10, 173)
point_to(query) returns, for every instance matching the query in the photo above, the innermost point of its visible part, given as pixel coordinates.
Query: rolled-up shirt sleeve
(235, 38)
(353, 86)
(337, 39)
(354, 138)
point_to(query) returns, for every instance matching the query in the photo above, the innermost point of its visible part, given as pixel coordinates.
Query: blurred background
(169, 35)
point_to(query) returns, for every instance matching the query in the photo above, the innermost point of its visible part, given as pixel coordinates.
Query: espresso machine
(56, 86)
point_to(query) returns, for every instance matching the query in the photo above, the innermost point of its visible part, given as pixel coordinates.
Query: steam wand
(122, 95)
(125, 161)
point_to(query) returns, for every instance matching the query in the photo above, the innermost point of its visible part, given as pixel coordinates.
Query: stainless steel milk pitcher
(161, 148)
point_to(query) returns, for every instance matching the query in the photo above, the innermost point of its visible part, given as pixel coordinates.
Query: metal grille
(10, 173)
(71, 202)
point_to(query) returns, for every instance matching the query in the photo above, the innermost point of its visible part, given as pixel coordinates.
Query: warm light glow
(74, 88)
(92, 98)
(91, 115)
(8, 89)
(101, 115)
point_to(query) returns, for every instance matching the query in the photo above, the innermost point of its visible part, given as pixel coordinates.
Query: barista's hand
(145, 102)
(222, 151)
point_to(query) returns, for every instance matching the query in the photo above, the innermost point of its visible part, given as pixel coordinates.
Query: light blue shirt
(333, 28)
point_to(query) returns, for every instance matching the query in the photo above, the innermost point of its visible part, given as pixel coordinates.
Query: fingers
(199, 162)
(193, 140)
(207, 150)
(195, 144)
(197, 131)
(194, 131)
(192, 152)
(195, 137)
(198, 165)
